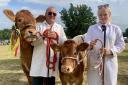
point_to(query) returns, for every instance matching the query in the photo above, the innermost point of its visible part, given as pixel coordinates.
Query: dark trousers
(43, 80)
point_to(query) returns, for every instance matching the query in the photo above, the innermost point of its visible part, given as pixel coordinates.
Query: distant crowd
(4, 42)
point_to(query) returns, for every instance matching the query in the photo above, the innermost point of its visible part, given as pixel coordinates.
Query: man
(44, 60)
(114, 43)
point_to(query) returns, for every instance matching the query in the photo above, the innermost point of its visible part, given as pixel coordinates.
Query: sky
(119, 9)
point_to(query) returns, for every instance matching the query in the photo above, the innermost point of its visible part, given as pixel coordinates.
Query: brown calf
(71, 61)
(26, 24)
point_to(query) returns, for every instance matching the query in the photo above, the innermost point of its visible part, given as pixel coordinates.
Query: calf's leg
(26, 71)
(64, 83)
(79, 81)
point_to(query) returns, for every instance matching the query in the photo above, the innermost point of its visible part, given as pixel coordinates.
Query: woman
(44, 69)
(114, 44)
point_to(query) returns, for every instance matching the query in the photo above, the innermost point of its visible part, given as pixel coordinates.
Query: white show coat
(114, 42)
(38, 65)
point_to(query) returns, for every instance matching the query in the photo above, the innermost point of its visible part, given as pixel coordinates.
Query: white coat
(38, 65)
(114, 42)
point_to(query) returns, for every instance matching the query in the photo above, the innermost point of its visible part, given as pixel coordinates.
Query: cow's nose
(68, 69)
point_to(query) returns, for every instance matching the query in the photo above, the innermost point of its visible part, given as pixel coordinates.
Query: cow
(71, 65)
(26, 24)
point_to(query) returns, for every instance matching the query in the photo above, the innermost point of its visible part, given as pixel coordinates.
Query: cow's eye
(20, 20)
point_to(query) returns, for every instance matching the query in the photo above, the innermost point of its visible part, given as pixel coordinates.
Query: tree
(126, 32)
(77, 19)
(5, 34)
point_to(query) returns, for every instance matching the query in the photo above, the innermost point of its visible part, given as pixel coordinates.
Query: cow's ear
(9, 13)
(82, 46)
(40, 18)
(55, 47)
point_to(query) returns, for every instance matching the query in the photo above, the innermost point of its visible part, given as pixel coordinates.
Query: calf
(25, 23)
(71, 66)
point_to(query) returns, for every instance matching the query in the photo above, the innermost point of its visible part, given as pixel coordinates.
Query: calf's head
(70, 54)
(24, 22)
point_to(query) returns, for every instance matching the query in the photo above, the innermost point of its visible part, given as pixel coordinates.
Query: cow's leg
(71, 83)
(79, 81)
(26, 71)
(64, 83)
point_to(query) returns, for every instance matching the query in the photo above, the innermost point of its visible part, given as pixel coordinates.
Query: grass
(11, 73)
(123, 67)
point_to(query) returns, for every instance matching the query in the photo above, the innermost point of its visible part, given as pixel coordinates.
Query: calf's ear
(55, 47)
(82, 46)
(40, 18)
(9, 13)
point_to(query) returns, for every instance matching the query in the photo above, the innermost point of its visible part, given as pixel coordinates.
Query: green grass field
(11, 73)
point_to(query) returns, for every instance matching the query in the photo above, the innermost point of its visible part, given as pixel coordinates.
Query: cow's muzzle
(66, 69)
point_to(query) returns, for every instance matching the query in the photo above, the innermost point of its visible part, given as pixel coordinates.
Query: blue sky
(119, 9)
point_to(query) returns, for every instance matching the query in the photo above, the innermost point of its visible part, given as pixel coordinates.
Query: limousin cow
(26, 24)
(71, 65)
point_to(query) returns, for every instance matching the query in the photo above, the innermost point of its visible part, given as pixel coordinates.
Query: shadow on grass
(123, 68)
(10, 64)
(12, 79)
(123, 58)
(123, 79)
(11, 72)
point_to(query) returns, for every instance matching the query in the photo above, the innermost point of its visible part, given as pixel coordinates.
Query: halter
(75, 57)
(27, 25)
(18, 31)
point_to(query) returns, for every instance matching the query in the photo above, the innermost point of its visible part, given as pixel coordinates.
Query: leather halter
(18, 31)
(75, 58)
(28, 25)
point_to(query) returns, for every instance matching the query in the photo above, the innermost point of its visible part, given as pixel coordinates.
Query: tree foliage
(126, 32)
(77, 19)
(5, 34)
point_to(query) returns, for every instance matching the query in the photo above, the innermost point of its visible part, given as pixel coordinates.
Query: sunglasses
(51, 13)
(101, 6)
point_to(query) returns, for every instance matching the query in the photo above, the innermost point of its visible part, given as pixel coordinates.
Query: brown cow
(71, 62)
(26, 23)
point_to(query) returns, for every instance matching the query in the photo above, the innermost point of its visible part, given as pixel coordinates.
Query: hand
(50, 34)
(38, 34)
(92, 44)
(45, 33)
(106, 51)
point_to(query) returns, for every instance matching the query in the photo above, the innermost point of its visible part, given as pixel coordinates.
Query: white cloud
(4, 2)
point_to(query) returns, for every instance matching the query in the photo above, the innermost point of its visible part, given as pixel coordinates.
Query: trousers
(43, 80)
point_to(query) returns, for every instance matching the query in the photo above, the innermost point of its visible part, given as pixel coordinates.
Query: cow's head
(24, 22)
(70, 54)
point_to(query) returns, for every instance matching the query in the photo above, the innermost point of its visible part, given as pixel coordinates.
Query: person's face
(51, 15)
(104, 15)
